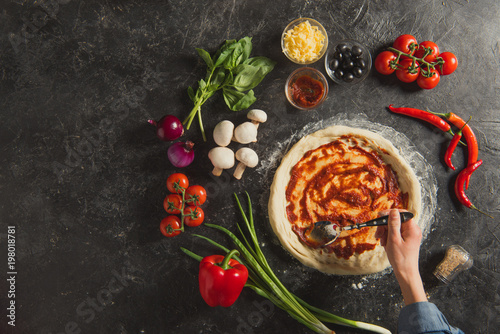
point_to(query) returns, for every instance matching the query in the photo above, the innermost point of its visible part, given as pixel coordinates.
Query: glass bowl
(348, 62)
(314, 24)
(306, 88)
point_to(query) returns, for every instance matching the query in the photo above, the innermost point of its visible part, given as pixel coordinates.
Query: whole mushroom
(245, 133)
(257, 116)
(223, 133)
(222, 158)
(247, 158)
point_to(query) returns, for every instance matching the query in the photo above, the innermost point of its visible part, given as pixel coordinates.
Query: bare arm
(402, 245)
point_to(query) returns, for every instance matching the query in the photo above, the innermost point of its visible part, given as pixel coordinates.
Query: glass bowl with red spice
(306, 88)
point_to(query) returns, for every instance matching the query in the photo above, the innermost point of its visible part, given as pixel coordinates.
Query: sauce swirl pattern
(345, 181)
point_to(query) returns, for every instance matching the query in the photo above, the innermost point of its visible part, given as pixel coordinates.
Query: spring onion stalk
(265, 283)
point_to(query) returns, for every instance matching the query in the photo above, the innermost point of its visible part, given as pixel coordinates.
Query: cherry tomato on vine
(431, 57)
(383, 62)
(195, 195)
(406, 43)
(193, 216)
(406, 75)
(173, 204)
(170, 226)
(450, 63)
(428, 82)
(178, 178)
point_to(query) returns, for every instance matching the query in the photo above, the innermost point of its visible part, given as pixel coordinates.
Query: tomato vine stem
(426, 73)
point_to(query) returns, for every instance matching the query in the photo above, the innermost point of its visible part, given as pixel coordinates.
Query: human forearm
(411, 286)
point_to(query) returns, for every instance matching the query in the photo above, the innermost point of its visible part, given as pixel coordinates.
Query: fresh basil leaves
(233, 71)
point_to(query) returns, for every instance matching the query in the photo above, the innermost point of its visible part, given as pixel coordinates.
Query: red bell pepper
(221, 279)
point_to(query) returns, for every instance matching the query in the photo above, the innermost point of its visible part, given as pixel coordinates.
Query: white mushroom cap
(222, 158)
(247, 158)
(245, 133)
(223, 133)
(257, 116)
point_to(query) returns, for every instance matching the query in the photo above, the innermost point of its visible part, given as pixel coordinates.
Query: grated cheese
(304, 42)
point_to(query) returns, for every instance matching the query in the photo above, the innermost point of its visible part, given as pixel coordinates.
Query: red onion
(168, 127)
(181, 154)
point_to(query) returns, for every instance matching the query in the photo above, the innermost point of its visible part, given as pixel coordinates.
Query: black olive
(360, 63)
(347, 54)
(338, 55)
(357, 51)
(339, 74)
(342, 47)
(348, 77)
(334, 64)
(358, 72)
(347, 64)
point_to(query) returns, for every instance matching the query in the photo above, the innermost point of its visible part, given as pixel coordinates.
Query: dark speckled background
(82, 174)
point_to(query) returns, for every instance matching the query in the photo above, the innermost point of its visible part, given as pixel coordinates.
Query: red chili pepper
(221, 279)
(460, 182)
(425, 116)
(452, 146)
(470, 139)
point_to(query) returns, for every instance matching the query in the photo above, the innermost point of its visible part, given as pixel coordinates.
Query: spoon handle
(405, 216)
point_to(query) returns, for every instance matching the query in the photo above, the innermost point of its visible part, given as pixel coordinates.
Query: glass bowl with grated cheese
(304, 41)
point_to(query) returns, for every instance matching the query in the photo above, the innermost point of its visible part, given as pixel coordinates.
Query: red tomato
(406, 43)
(177, 178)
(431, 57)
(194, 216)
(428, 82)
(173, 204)
(170, 226)
(384, 61)
(406, 75)
(450, 63)
(196, 195)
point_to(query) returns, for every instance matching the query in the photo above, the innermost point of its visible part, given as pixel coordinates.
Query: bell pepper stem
(225, 263)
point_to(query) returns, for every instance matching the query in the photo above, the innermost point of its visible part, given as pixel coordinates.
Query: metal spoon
(325, 232)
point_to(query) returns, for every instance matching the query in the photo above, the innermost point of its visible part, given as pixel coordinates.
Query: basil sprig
(233, 71)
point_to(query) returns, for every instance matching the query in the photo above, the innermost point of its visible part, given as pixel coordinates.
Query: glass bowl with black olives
(348, 62)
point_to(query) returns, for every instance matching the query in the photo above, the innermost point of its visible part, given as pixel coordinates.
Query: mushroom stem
(217, 171)
(240, 169)
(256, 124)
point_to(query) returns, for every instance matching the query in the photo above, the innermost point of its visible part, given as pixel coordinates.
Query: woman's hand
(402, 245)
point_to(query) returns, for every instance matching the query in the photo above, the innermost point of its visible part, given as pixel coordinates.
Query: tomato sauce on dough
(345, 181)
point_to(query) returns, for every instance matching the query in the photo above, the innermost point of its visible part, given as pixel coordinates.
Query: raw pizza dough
(367, 262)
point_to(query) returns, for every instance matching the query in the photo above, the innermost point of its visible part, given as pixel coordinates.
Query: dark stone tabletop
(82, 175)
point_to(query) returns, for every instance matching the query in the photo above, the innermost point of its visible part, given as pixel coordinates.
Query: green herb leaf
(248, 76)
(225, 53)
(191, 93)
(236, 55)
(246, 43)
(263, 62)
(206, 57)
(228, 81)
(224, 46)
(218, 78)
(202, 84)
(237, 101)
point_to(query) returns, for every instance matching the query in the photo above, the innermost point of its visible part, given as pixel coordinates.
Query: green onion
(265, 283)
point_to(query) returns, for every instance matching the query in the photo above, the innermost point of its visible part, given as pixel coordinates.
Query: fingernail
(394, 214)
